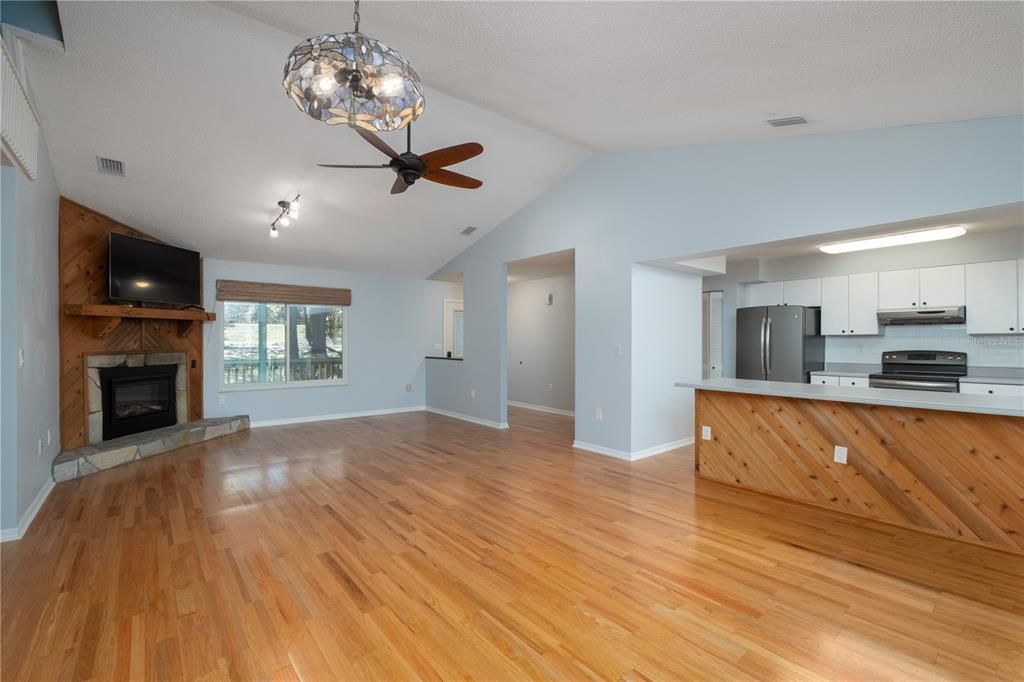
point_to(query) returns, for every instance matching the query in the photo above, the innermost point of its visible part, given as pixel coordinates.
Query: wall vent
(468, 231)
(110, 166)
(787, 121)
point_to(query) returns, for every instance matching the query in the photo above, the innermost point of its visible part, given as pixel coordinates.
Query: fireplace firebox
(137, 399)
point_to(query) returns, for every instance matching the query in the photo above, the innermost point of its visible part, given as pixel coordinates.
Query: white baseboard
(631, 456)
(658, 449)
(8, 534)
(331, 417)
(542, 408)
(467, 418)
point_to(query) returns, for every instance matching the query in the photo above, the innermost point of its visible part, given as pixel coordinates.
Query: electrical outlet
(472, 393)
(599, 414)
(618, 351)
(705, 432)
(21, 357)
(220, 398)
(551, 387)
(408, 388)
(49, 437)
(840, 455)
(39, 449)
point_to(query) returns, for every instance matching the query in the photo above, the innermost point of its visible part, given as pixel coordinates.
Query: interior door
(750, 327)
(785, 343)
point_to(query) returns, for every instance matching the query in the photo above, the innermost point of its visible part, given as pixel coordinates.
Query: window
(269, 344)
(453, 328)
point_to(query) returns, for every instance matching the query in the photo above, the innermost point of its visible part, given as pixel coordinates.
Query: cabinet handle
(924, 302)
(913, 303)
(1011, 329)
(851, 331)
(990, 391)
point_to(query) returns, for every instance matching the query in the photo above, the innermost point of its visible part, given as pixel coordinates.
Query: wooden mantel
(105, 317)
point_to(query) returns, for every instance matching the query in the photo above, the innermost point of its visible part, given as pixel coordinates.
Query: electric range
(921, 370)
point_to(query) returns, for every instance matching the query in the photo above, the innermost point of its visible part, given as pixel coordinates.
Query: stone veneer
(94, 400)
(89, 459)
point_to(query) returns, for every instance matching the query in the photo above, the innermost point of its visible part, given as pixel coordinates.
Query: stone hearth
(94, 400)
(86, 460)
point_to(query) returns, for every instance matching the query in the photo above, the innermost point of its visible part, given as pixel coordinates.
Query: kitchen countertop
(925, 400)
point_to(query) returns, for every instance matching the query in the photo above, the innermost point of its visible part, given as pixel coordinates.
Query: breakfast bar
(951, 464)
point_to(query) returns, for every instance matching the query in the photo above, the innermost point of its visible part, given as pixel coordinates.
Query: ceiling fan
(410, 167)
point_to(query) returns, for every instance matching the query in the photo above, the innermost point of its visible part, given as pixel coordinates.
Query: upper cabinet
(849, 305)
(801, 292)
(898, 289)
(994, 297)
(931, 287)
(792, 292)
(764, 293)
(942, 287)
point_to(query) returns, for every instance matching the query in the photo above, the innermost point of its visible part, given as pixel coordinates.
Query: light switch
(705, 432)
(840, 455)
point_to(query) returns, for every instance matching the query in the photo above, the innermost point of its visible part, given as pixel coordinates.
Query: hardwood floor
(418, 546)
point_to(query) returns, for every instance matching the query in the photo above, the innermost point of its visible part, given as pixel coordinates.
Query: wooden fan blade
(399, 186)
(380, 144)
(447, 177)
(342, 165)
(439, 158)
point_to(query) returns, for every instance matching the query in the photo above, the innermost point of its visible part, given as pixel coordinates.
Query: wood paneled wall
(955, 474)
(83, 279)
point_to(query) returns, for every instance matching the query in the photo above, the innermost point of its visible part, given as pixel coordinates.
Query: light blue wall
(392, 324)
(540, 342)
(30, 321)
(665, 343)
(8, 350)
(622, 208)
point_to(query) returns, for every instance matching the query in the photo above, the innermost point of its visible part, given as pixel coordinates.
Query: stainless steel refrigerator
(779, 343)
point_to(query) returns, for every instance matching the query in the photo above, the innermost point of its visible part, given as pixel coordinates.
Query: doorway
(541, 386)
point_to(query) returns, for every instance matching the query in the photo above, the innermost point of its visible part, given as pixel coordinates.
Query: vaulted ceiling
(188, 95)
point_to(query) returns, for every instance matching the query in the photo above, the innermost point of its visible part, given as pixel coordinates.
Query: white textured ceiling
(189, 96)
(617, 75)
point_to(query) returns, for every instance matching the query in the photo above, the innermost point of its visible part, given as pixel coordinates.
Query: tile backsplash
(982, 351)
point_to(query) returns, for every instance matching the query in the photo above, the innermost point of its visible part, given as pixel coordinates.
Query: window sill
(270, 386)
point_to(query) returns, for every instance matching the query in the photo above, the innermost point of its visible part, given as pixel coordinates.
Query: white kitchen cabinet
(849, 304)
(802, 292)
(863, 316)
(764, 293)
(835, 305)
(993, 297)
(862, 382)
(898, 289)
(822, 380)
(1009, 390)
(942, 287)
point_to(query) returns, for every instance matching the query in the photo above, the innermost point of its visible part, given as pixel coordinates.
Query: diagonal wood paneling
(83, 279)
(959, 475)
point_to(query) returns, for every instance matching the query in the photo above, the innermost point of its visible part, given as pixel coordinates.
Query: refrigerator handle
(763, 370)
(768, 347)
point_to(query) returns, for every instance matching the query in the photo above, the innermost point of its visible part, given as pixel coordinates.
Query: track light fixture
(289, 212)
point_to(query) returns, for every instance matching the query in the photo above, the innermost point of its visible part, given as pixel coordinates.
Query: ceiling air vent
(110, 166)
(787, 121)
(468, 231)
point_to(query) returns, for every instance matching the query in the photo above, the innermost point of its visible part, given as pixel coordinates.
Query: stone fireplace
(135, 392)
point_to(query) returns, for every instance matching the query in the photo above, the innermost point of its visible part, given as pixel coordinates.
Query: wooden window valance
(266, 292)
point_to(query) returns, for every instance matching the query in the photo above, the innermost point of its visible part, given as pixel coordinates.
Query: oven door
(916, 383)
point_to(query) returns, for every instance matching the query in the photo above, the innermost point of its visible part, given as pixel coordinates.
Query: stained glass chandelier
(354, 79)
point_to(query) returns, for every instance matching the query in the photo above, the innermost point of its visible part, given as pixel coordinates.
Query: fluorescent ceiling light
(896, 239)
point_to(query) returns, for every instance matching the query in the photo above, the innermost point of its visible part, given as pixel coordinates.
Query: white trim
(8, 534)
(600, 450)
(631, 456)
(332, 417)
(542, 408)
(467, 418)
(658, 449)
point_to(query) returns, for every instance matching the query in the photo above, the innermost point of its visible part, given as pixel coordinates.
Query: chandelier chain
(355, 15)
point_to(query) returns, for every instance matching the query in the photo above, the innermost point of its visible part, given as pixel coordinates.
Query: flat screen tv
(141, 270)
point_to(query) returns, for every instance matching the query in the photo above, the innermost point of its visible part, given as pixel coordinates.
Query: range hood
(951, 315)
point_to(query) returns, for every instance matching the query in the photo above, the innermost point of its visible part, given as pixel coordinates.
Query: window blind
(266, 292)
